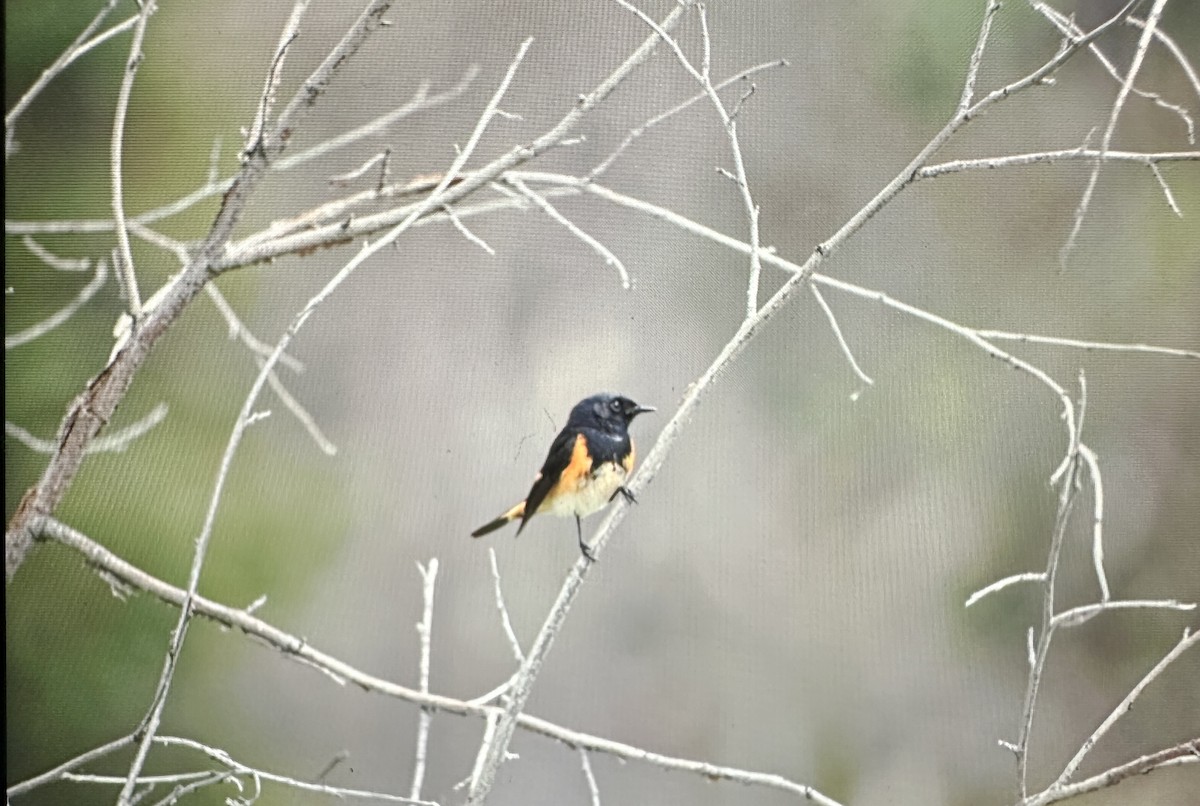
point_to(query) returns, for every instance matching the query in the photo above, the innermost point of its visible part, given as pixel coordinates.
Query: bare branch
(54, 261)
(125, 263)
(1093, 466)
(256, 138)
(509, 632)
(1123, 707)
(1001, 584)
(968, 92)
(1039, 652)
(609, 258)
(1084, 613)
(589, 776)
(237, 768)
(79, 47)
(56, 774)
(841, 339)
(1166, 189)
(1136, 65)
(63, 314)
(1183, 753)
(109, 443)
(1149, 159)
(425, 631)
(633, 134)
(466, 233)
(1067, 26)
(1175, 50)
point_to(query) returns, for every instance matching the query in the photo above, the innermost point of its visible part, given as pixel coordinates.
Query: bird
(586, 467)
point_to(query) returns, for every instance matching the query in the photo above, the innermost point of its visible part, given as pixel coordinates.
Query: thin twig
(1148, 159)
(55, 261)
(1039, 651)
(505, 621)
(985, 29)
(1001, 584)
(609, 258)
(1183, 753)
(236, 767)
(1084, 613)
(124, 266)
(425, 633)
(1134, 67)
(589, 776)
(82, 44)
(63, 314)
(1093, 466)
(841, 339)
(1067, 26)
(57, 773)
(466, 233)
(634, 134)
(109, 443)
(1176, 51)
(1123, 707)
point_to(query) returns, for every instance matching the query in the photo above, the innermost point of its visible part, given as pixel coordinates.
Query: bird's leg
(587, 552)
(623, 491)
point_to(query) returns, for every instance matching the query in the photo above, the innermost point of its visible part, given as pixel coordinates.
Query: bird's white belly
(592, 492)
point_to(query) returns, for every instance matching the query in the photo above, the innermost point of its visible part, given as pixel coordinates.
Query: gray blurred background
(788, 596)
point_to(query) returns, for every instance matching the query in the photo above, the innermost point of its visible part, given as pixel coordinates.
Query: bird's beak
(640, 409)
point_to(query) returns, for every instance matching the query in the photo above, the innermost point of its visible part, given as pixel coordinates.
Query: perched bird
(586, 468)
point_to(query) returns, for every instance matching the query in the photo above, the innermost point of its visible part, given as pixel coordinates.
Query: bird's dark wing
(567, 460)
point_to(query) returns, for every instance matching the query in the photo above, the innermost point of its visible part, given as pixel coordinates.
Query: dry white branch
(634, 134)
(976, 61)
(301, 651)
(238, 768)
(1183, 753)
(124, 267)
(841, 339)
(1106, 141)
(1084, 613)
(82, 44)
(466, 233)
(1166, 189)
(57, 773)
(425, 633)
(109, 443)
(63, 314)
(1177, 52)
(1148, 159)
(589, 776)
(1001, 584)
(1039, 650)
(1067, 26)
(1093, 466)
(609, 258)
(214, 187)
(382, 158)
(55, 261)
(1123, 707)
(505, 621)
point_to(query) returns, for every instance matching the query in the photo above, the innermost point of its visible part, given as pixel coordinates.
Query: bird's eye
(615, 405)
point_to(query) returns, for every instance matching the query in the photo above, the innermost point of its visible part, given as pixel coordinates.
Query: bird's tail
(508, 517)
